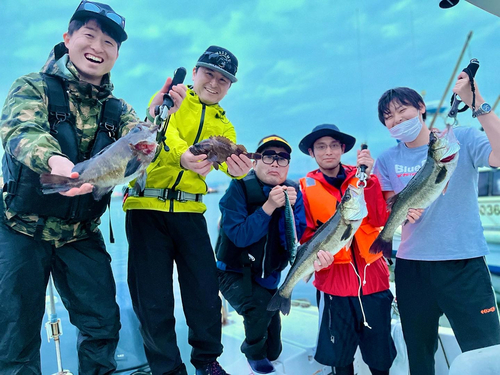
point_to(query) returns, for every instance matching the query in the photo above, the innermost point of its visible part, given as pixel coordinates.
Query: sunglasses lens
(91, 7)
(114, 17)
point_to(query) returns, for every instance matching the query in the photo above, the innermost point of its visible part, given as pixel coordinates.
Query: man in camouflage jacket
(33, 245)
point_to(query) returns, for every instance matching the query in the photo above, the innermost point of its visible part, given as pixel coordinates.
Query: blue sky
(302, 62)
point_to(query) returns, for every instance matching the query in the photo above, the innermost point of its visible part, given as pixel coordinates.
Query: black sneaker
(211, 369)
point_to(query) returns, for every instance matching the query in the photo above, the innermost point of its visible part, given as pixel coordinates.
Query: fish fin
(132, 167)
(99, 192)
(52, 183)
(140, 183)
(240, 149)
(212, 157)
(308, 277)
(391, 200)
(278, 302)
(446, 187)
(383, 246)
(441, 175)
(347, 233)
(80, 167)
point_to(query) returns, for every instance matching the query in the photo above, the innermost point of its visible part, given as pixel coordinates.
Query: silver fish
(292, 242)
(424, 188)
(332, 236)
(117, 164)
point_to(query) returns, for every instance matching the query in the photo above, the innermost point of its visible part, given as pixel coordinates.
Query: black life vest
(266, 255)
(23, 185)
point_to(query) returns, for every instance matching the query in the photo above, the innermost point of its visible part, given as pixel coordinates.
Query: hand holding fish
(196, 163)
(292, 194)
(414, 214)
(325, 259)
(364, 158)
(276, 199)
(238, 165)
(463, 90)
(177, 92)
(62, 166)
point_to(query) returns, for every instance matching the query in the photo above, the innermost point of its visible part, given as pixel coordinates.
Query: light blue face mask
(408, 130)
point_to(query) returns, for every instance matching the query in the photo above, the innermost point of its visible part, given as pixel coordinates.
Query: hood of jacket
(59, 64)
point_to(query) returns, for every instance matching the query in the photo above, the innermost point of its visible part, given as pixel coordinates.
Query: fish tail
(52, 183)
(278, 302)
(381, 246)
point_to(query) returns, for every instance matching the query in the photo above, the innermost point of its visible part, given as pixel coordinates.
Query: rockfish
(424, 188)
(218, 149)
(332, 236)
(119, 163)
(292, 242)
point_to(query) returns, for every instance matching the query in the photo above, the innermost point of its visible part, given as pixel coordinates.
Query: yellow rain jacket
(192, 123)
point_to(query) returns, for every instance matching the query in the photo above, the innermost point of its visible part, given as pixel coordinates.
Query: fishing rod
(161, 111)
(469, 36)
(471, 70)
(54, 328)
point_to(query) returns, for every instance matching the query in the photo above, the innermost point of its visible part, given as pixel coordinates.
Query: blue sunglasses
(97, 8)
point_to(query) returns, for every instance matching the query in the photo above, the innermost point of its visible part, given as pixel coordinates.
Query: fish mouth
(145, 147)
(93, 58)
(452, 147)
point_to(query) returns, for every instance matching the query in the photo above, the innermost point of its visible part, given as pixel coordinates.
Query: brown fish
(219, 148)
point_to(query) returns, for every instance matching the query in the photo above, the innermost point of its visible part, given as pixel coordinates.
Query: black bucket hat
(105, 14)
(221, 60)
(326, 130)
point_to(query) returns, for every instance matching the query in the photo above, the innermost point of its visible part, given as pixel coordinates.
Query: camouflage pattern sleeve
(24, 125)
(128, 119)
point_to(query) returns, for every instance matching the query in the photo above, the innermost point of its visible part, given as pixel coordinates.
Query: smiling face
(210, 86)
(397, 113)
(271, 174)
(93, 52)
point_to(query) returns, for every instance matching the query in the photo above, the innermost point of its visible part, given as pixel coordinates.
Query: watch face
(486, 107)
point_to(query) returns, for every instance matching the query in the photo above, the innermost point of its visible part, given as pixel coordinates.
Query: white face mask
(408, 130)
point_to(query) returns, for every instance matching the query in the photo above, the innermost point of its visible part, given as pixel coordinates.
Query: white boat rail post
(54, 328)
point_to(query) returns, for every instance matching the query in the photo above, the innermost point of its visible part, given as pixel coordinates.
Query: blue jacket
(244, 227)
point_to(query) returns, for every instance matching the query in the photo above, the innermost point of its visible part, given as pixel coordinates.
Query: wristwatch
(482, 110)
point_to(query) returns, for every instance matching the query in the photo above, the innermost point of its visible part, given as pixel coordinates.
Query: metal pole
(54, 328)
(451, 80)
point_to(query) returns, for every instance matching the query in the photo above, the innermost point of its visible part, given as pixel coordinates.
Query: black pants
(82, 276)
(157, 239)
(262, 327)
(342, 330)
(461, 289)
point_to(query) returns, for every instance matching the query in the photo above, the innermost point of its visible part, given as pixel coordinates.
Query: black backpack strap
(58, 100)
(110, 117)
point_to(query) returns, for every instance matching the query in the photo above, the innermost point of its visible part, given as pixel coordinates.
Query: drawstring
(365, 323)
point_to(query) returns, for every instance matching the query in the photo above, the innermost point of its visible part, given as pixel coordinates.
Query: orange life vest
(322, 206)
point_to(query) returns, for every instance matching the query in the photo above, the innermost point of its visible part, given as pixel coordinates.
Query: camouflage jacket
(25, 133)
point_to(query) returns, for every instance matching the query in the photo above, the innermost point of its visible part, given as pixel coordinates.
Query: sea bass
(292, 242)
(117, 164)
(218, 149)
(424, 188)
(332, 236)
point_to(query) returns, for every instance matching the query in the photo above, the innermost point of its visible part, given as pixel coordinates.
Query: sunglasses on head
(282, 158)
(96, 8)
(221, 61)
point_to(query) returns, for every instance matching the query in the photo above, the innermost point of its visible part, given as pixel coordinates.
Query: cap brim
(103, 19)
(218, 69)
(308, 141)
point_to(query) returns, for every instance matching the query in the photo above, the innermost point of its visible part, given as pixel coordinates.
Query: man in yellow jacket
(165, 223)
